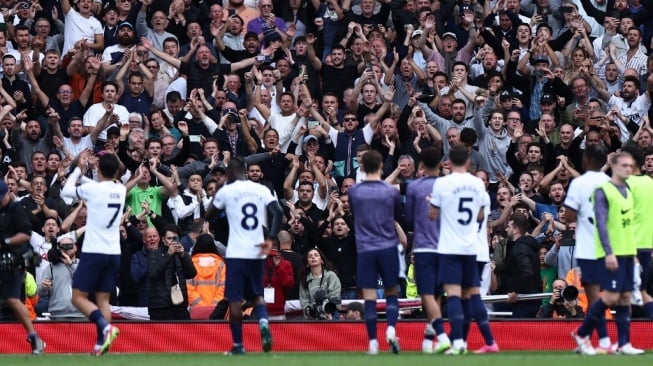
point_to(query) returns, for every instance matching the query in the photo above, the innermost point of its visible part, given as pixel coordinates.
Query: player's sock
(467, 313)
(622, 318)
(594, 314)
(601, 327)
(370, 318)
(648, 309)
(261, 311)
(99, 340)
(236, 332)
(429, 332)
(456, 317)
(392, 309)
(438, 325)
(100, 323)
(480, 314)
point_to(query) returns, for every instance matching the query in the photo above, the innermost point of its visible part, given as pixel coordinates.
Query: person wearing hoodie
(493, 143)
(207, 287)
(522, 269)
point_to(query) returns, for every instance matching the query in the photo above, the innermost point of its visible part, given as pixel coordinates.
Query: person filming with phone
(161, 269)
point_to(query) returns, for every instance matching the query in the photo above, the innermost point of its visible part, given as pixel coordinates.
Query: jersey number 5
(467, 211)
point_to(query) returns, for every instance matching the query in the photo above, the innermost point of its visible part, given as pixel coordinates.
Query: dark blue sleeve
(601, 216)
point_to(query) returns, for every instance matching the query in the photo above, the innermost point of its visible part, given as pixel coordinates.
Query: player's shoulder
(420, 183)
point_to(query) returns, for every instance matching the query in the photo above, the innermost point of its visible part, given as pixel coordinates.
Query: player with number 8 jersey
(247, 205)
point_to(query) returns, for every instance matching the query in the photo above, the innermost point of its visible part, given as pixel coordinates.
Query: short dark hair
(109, 165)
(597, 154)
(430, 157)
(632, 79)
(458, 155)
(372, 161)
(468, 136)
(520, 222)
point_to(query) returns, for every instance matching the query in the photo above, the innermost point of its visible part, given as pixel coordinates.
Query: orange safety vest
(207, 288)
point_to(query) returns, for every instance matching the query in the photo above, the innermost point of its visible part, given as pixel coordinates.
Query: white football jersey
(460, 197)
(105, 202)
(579, 199)
(483, 247)
(245, 203)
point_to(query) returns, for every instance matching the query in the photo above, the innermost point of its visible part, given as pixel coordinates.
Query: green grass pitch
(328, 359)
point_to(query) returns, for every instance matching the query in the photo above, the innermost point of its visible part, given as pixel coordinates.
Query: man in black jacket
(522, 268)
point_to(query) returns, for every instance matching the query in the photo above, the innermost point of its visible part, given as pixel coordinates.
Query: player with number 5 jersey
(247, 205)
(458, 201)
(99, 264)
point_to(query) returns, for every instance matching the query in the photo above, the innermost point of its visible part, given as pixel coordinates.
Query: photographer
(563, 303)
(58, 280)
(319, 292)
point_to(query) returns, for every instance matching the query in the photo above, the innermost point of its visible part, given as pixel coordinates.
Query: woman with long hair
(319, 288)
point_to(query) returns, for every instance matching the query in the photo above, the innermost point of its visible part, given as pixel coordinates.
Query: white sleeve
(70, 191)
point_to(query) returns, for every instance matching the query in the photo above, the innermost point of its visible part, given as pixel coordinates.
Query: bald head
(285, 240)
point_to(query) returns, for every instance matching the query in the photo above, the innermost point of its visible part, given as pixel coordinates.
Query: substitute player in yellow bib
(613, 210)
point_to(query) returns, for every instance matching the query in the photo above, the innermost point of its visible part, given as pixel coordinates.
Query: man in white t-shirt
(81, 25)
(97, 272)
(580, 209)
(247, 205)
(98, 110)
(284, 122)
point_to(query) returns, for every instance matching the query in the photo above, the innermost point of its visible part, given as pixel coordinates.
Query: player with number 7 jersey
(97, 272)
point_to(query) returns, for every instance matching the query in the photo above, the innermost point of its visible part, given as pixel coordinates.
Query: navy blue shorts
(479, 271)
(591, 271)
(458, 270)
(621, 280)
(244, 278)
(644, 258)
(11, 284)
(371, 265)
(97, 273)
(426, 274)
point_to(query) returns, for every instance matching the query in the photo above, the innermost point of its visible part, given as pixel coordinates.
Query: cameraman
(563, 304)
(319, 291)
(57, 282)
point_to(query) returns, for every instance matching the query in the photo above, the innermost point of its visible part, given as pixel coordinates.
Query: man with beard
(23, 46)
(157, 33)
(250, 46)
(114, 56)
(200, 72)
(336, 77)
(632, 106)
(230, 34)
(458, 120)
(31, 141)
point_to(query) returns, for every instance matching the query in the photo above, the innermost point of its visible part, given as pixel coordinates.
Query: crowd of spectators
(302, 89)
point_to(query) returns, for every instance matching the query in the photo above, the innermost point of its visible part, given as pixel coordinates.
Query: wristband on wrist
(7, 241)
